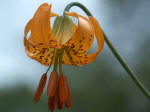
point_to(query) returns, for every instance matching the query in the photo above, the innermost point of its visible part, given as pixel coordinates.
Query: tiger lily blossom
(65, 43)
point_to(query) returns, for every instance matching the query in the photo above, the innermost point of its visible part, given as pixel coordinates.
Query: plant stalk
(114, 51)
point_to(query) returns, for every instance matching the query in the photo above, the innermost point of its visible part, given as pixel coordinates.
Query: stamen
(63, 91)
(52, 103)
(59, 103)
(52, 84)
(40, 87)
(68, 102)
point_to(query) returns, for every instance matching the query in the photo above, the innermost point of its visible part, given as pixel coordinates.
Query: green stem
(56, 61)
(68, 7)
(114, 51)
(60, 61)
(60, 68)
(51, 61)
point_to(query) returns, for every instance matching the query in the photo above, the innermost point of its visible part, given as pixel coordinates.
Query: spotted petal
(71, 57)
(84, 35)
(40, 28)
(43, 55)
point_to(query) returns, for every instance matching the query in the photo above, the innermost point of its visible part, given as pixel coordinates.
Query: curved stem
(68, 7)
(114, 51)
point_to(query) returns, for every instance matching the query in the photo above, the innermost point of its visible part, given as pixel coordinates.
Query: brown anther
(59, 104)
(68, 102)
(52, 84)
(40, 87)
(63, 90)
(52, 103)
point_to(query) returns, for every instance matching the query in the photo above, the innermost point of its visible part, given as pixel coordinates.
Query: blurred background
(102, 86)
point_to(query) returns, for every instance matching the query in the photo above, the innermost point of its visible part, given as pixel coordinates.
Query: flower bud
(62, 29)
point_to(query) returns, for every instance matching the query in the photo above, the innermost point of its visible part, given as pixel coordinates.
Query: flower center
(62, 29)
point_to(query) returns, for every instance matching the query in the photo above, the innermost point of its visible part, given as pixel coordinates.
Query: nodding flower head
(64, 43)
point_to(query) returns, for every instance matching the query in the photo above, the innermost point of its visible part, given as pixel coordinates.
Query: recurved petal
(40, 28)
(83, 37)
(72, 57)
(99, 38)
(43, 55)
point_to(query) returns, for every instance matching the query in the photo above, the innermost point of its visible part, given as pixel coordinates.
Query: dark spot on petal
(72, 45)
(43, 51)
(85, 57)
(40, 44)
(46, 60)
(77, 62)
(85, 60)
(80, 49)
(41, 57)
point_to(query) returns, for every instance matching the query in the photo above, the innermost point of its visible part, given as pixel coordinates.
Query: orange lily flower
(65, 43)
